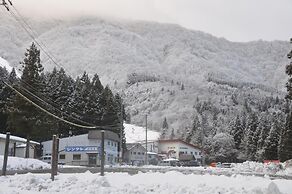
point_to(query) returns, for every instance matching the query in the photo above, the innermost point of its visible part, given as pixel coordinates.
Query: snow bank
(256, 167)
(163, 183)
(137, 134)
(15, 163)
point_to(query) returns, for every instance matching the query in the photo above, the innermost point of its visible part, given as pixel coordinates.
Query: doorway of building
(92, 158)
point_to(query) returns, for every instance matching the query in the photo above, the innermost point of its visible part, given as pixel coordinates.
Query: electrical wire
(46, 111)
(31, 33)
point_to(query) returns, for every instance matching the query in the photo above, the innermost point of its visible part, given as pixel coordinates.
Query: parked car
(46, 159)
(221, 165)
(169, 162)
(226, 165)
(190, 163)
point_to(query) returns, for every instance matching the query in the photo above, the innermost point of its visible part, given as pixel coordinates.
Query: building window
(112, 144)
(200, 153)
(191, 152)
(195, 153)
(139, 153)
(115, 144)
(143, 153)
(76, 156)
(134, 153)
(62, 156)
(108, 143)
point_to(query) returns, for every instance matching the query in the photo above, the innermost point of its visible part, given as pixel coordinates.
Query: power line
(31, 34)
(46, 111)
(108, 127)
(21, 21)
(62, 112)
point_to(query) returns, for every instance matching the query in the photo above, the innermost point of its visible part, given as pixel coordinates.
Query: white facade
(135, 154)
(17, 146)
(174, 148)
(80, 150)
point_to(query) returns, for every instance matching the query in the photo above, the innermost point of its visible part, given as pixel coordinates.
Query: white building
(174, 148)
(85, 149)
(17, 146)
(135, 154)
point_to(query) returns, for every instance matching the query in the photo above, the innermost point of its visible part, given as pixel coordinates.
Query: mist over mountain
(162, 70)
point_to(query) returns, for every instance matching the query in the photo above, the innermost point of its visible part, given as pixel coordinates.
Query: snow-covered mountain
(7, 66)
(161, 69)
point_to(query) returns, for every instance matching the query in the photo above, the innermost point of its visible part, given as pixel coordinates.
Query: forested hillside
(183, 77)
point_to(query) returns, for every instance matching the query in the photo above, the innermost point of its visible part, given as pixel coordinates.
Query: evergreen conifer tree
(164, 124)
(25, 119)
(251, 137)
(4, 92)
(237, 131)
(285, 143)
(270, 147)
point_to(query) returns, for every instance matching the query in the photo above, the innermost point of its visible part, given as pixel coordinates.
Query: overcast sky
(235, 20)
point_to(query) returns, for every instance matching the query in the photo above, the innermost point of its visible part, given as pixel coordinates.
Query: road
(135, 170)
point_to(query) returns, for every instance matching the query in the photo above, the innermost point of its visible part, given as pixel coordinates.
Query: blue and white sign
(82, 149)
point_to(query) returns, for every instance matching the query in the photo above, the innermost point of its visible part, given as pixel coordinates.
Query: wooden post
(6, 154)
(27, 147)
(146, 155)
(14, 149)
(102, 154)
(57, 156)
(53, 155)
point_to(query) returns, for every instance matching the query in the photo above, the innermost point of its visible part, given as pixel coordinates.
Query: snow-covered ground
(168, 180)
(15, 163)
(163, 183)
(138, 134)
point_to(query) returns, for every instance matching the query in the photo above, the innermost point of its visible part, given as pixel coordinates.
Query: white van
(169, 162)
(46, 159)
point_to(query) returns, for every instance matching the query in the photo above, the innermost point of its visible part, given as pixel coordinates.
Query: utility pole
(146, 155)
(57, 155)
(102, 154)
(6, 154)
(202, 147)
(121, 133)
(53, 162)
(27, 147)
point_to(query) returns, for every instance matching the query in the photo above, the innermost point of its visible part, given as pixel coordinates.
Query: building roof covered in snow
(17, 139)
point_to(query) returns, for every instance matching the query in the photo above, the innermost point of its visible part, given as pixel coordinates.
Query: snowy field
(168, 180)
(163, 183)
(137, 134)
